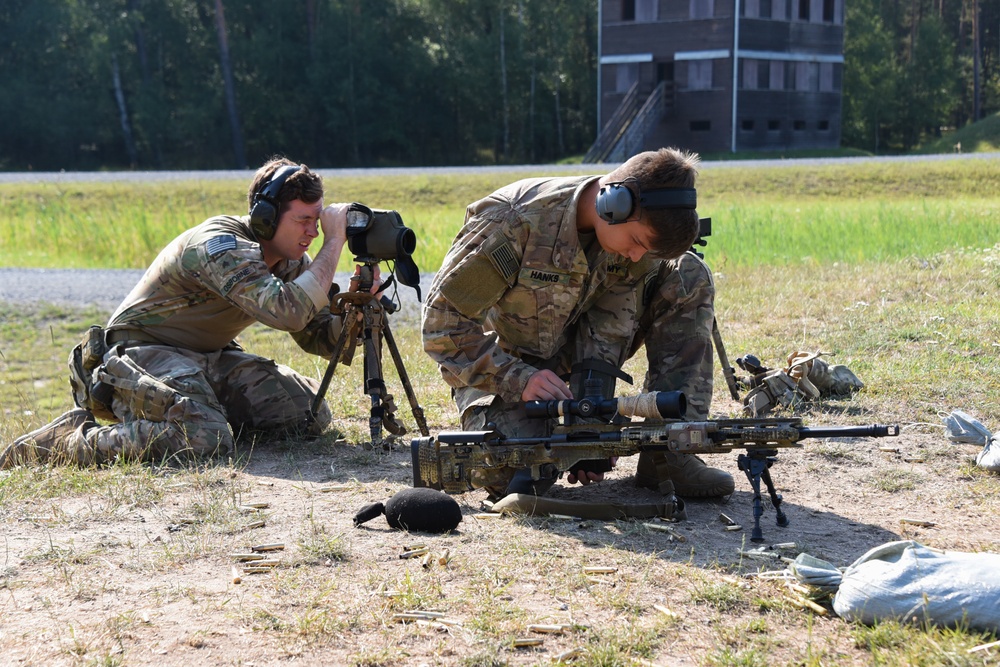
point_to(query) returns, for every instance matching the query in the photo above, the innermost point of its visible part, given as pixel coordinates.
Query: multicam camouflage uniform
(522, 289)
(181, 384)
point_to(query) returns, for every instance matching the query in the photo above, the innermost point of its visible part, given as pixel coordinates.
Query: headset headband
(273, 186)
(686, 198)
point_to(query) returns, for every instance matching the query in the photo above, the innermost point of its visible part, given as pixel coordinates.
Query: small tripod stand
(365, 319)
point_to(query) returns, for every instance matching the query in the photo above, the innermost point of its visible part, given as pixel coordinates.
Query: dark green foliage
(909, 70)
(120, 84)
(327, 82)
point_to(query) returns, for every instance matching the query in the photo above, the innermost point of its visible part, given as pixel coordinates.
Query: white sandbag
(906, 580)
(989, 458)
(816, 572)
(961, 427)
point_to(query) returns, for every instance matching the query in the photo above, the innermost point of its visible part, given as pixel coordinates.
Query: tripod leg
(754, 468)
(780, 517)
(345, 332)
(418, 412)
(374, 384)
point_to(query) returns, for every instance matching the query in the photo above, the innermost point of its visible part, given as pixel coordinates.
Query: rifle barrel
(870, 431)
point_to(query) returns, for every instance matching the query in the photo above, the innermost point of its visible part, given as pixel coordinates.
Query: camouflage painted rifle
(456, 462)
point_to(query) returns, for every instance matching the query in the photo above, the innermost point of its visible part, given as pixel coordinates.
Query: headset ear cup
(263, 218)
(615, 203)
(264, 212)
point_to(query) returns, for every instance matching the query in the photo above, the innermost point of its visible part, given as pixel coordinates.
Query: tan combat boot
(54, 440)
(686, 473)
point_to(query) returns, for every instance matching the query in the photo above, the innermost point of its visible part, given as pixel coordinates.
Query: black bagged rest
(416, 509)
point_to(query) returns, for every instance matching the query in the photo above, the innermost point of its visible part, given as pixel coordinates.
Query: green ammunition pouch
(146, 396)
(84, 359)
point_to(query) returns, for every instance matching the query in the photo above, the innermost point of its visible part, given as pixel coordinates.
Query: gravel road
(105, 288)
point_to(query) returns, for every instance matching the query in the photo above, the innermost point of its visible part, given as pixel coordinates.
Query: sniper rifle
(459, 461)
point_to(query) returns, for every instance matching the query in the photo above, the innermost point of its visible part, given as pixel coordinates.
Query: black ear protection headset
(617, 204)
(265, 207)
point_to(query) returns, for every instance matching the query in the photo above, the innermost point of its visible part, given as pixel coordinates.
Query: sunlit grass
(776, 215)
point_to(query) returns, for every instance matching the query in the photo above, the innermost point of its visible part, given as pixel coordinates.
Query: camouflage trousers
(171, 401)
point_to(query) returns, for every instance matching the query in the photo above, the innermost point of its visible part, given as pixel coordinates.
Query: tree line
(914, 67)
(209, 84)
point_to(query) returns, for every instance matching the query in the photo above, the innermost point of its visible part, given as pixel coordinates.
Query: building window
(640, 11)
(626, 74)
(646, 10)
(777, 72)
(773, 125)
(765, 9)
(823, 126)
(807, 77)
(750, 76)
(826, 78)
(701, 126)
(700, 75)
(702, 9)
(804, 10)
(746, 125)
(763, 75)
(751, 8)
(828, 12)
(799, 125)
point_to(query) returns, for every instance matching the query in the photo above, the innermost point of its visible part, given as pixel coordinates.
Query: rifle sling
(523, 503)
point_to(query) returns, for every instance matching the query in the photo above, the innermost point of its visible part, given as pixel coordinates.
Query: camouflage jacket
(518, 292)
(211, 282)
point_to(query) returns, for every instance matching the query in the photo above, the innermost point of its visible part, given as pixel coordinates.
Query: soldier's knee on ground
(144, 440)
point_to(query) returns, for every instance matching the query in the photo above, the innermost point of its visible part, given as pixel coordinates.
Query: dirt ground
(99, 580)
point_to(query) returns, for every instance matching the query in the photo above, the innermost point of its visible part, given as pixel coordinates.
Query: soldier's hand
(586, 477)
(376, 279)
(333, 222)
(545, 385)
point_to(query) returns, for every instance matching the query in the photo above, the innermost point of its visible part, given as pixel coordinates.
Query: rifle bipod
(366, 320)
(756, 465)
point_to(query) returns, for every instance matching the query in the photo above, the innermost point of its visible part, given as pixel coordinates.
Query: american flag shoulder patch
(219, 244)
(505, 261)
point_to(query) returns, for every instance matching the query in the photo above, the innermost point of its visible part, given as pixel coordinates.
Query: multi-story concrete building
(718, 75)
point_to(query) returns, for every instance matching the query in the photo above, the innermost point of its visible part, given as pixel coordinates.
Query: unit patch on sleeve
(217, 245)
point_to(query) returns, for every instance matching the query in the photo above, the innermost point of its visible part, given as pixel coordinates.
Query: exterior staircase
(626, 131)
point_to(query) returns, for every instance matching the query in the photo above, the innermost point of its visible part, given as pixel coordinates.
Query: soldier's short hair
(304, 184)
(674, 230)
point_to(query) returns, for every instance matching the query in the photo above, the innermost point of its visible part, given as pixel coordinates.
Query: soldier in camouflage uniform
(538, 283)
(175, 381)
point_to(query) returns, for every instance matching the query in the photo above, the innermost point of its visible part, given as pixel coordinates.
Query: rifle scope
(668, 405)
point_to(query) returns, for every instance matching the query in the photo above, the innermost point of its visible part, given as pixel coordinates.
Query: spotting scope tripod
(366, 321)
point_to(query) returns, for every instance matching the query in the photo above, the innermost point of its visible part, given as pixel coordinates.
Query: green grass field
(761, 216)
(892, 269)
